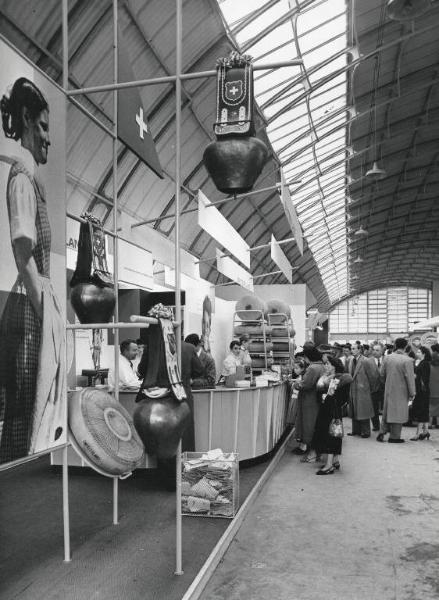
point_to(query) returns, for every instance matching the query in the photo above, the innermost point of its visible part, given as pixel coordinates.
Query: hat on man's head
(325, 349)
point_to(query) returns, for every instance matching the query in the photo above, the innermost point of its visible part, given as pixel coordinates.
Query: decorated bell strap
(103, 433)
(172, 367)
(91, 265)
(162, 369)
(234, 112)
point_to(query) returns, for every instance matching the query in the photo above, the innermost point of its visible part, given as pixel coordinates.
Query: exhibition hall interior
(219, 299)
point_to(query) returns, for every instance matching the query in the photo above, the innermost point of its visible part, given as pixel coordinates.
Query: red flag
(132, 126)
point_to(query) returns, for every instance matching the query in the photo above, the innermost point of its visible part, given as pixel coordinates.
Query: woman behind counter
(233, 359)
(31, 327)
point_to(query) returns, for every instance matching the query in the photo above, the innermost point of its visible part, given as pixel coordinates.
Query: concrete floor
(368, 532)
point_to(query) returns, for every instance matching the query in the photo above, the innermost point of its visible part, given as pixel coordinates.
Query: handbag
(336, 428)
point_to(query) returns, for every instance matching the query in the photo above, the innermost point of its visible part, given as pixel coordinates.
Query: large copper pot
(160, 423)
(235, 163)
(93, 303)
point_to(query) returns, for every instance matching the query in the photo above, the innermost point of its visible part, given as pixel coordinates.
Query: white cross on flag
(133, 129)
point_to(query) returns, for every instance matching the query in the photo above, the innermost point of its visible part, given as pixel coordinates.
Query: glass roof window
(306, 113)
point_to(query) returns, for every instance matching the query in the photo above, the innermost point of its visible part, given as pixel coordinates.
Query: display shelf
(281, 327)
(255, 325)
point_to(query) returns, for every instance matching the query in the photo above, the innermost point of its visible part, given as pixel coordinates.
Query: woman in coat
(333, 397)
(421, 403)
(307, 404)
(434, 384)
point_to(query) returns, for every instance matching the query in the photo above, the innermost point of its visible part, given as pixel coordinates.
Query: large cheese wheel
(252, 330)
(283, 331)
(250, 308)
(279, 311)
(259, 346)
(103, 433)
(281, 346)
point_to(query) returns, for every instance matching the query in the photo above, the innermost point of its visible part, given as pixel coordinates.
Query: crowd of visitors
(396, 382)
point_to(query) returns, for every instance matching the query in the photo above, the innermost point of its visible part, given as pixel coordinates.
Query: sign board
(232, 270)
(278, 256)
(290, 212)
(213, 222)
(135, 265)
(33, 394)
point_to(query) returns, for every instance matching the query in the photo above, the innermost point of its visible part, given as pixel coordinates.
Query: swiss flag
(132, 126)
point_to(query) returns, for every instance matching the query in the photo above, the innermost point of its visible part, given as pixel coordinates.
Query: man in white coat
(398, 374)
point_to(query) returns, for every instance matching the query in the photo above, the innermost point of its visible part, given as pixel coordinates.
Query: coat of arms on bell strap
(234, 96)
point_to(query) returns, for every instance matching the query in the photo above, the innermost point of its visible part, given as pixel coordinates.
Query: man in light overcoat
(364, 381)
(398, 374)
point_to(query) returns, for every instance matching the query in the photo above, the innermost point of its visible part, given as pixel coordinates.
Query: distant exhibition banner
(33, 415)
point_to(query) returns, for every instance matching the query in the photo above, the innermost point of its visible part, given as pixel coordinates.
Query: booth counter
(249, 421)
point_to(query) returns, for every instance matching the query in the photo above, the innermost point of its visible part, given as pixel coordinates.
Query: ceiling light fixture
(361, 231)
(375, 172)
(406, 10)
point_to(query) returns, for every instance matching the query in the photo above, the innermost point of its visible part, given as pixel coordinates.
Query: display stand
(113, 132)
(259, 331)
(281, 326)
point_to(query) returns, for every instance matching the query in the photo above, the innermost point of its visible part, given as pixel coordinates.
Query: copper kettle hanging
(237, 158)
(92, 296)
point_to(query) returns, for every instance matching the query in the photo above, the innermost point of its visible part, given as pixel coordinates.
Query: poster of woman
(32, 276)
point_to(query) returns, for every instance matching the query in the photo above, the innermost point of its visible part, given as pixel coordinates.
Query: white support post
(65, 502)
(65, 463)
(115, 238)
(178, 56)
(115, 501)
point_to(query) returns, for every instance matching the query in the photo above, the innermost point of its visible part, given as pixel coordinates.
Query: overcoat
(398, 373)
(307, 404)
(364, 382)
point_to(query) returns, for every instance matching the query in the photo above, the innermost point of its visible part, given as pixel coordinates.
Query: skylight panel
(305, 109)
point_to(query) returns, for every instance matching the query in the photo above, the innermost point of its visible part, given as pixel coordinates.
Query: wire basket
(210, 486)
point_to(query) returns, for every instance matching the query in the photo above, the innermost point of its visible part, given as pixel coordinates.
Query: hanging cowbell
(237, 158)
(92, 296)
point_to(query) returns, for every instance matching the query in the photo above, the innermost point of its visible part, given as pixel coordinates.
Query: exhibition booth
(96, 281)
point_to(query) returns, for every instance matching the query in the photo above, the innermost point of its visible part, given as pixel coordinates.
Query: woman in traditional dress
(31, 327)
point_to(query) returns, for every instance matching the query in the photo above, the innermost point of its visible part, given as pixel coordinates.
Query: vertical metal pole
(115, 501)
(65, 498)
(65, 467)
(115, 241)
(178, 50)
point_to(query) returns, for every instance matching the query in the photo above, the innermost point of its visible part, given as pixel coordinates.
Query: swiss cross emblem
(233, 90)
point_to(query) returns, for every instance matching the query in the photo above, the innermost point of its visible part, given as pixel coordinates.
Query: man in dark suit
(378, 392)
(208, 379)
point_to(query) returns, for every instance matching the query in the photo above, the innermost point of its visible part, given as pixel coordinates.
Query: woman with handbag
(328, 433)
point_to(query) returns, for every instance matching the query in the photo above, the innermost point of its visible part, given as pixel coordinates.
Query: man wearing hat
(365, 377)
(324, 350)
